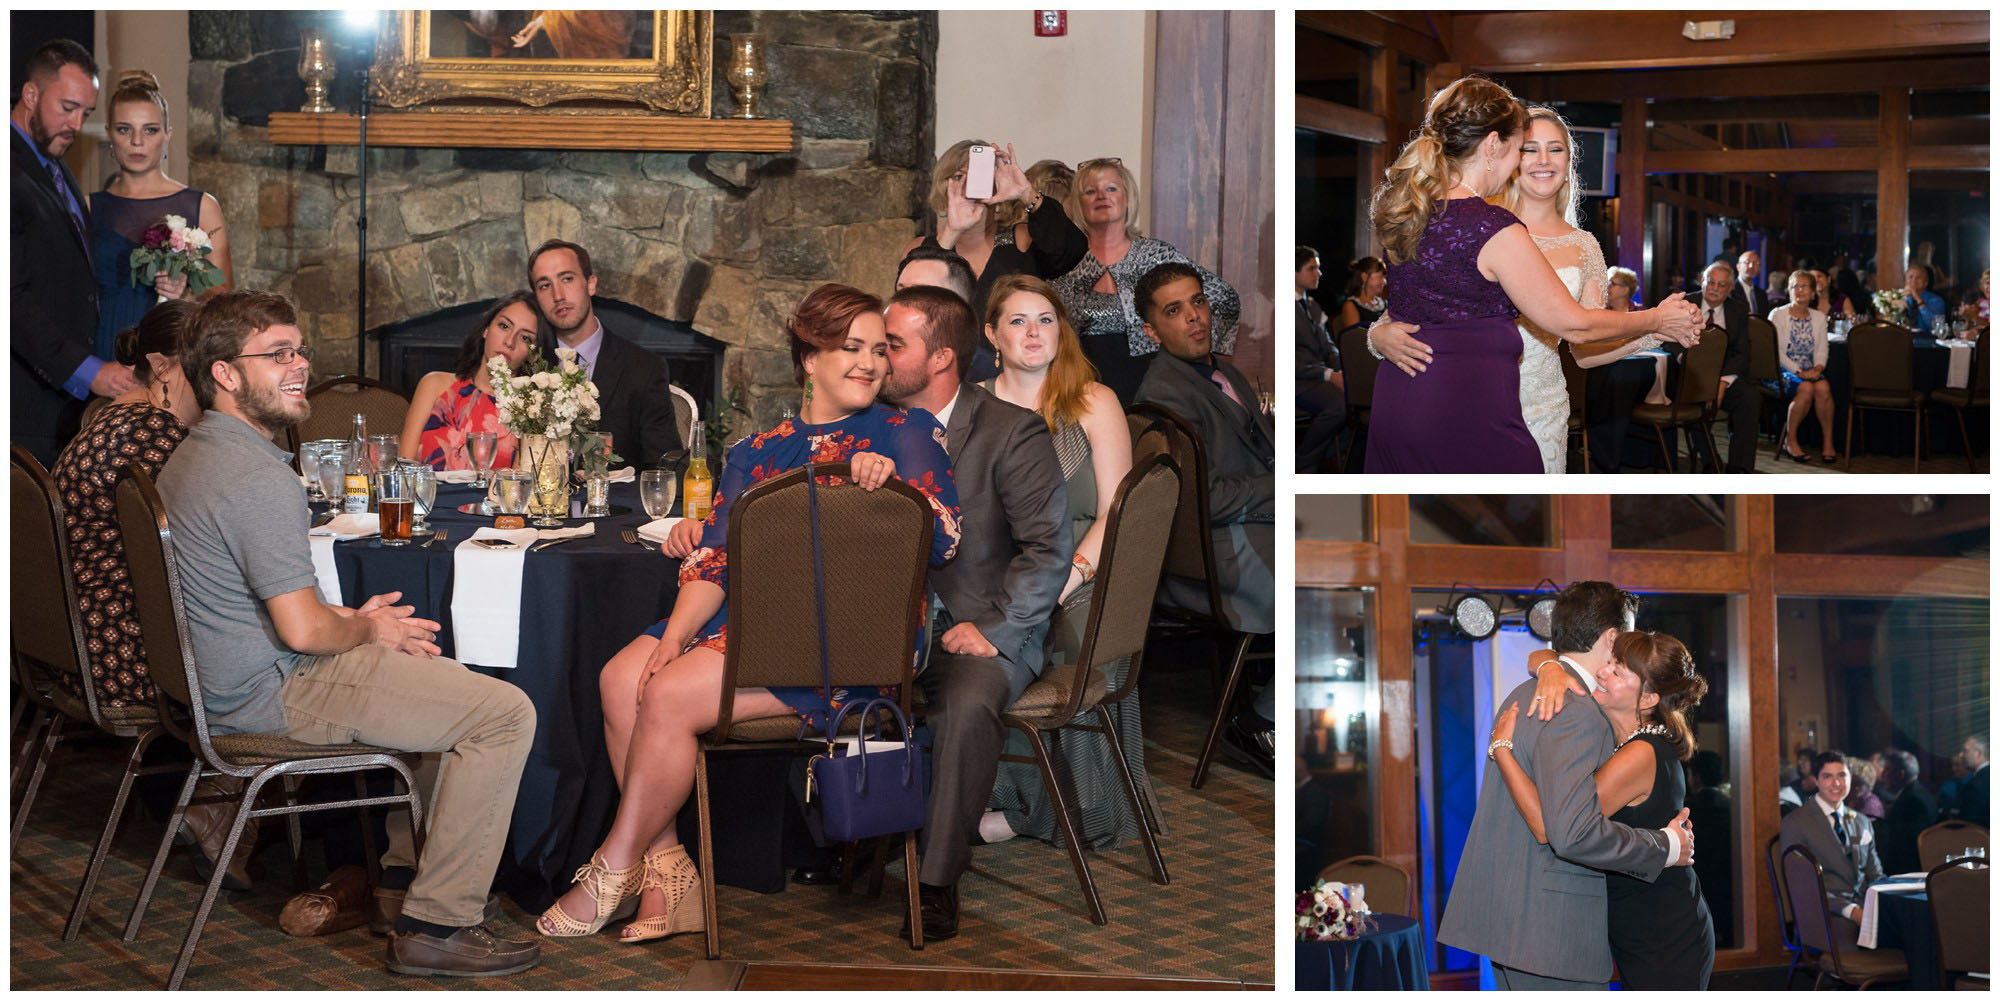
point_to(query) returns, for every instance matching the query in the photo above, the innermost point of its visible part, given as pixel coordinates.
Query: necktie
(68, 202)
(1715, 315)
(1223, 381)
(1839, 829)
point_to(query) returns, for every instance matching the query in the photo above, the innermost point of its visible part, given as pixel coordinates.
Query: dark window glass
(1335, 676)
(1883, 524)
(1335, 517)
(1481, 520)
(1670, 521)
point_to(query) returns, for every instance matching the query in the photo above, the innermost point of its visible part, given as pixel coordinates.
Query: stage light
(1541, 617)
(362, 20)
(1475, 616)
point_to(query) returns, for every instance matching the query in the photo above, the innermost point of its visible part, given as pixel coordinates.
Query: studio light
(1474, 615)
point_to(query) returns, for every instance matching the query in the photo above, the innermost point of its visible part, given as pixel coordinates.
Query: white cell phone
(979, 172)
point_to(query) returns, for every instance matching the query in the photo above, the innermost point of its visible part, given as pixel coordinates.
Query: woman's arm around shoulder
(422, 402)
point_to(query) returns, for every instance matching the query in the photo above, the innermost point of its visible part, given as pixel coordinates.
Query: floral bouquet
(1893, 304)
(173, 248)
(545, 402)
(1333, 912)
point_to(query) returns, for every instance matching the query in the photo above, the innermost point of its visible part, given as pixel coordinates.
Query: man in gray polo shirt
(276, 659)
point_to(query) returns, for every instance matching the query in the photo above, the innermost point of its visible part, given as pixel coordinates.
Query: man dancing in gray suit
(995, 597)
(1840, 839)
(1538, 911)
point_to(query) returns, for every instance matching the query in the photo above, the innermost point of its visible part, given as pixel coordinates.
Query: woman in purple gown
(1461, 270)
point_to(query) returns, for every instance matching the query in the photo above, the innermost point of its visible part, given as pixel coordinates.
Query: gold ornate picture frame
(432, 58)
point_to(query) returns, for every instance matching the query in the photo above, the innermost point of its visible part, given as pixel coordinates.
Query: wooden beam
(1948, 157)
(1339, 120)
(1395, 747)
(1753, 728)
(1808, 575)
(1377, 157)
(1753, 81)
(1892, 181)
(1337, 564)
(662, 133)
(1433, 566)
(1581, 40)
(1633, 252)
(1679, 573)
(1757, 161)
(1379, 30)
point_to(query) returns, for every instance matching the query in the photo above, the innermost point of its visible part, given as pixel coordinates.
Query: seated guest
(936, 268)
(1210, 394)
(1861, 796)
(1974, 795)
(1322, 389)
(1926, 306)
(447, 406)
(1042, 242)
(632, 397)
(1098, 291)
(1364, 302)
(276, 659)
(1802, 353)
(995, 599)
(1756, 299)
(1910, 809)
(1042, 368)
(1732, 392)
(1978, 309)
(1841, 840)
(1822, 292)
(1621, 291)
(1848, 298)
(660, 691)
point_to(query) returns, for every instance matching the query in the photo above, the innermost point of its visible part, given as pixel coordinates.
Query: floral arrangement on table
(1893, 304)
(1333, 912)
(173, 248)
(550, 403)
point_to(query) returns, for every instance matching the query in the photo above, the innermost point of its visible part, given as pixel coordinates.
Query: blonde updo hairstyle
(137, 85)
(1510, 196)
(1460, 117)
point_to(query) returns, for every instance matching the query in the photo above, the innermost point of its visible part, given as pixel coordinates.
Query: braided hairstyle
(1460, 117)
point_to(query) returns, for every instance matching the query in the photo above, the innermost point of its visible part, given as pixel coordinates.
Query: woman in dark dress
(1661, 934)
(1462, 269)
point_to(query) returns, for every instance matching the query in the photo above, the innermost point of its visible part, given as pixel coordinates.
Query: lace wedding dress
(1544, 392)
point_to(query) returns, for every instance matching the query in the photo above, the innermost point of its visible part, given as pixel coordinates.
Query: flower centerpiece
(1333, 912)
(173, 248)
(1893, 304)
(544, 407)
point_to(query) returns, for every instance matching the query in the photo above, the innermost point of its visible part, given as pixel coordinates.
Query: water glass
(656, 492)
(422, 481)
(479, 449)
(332, 473)
(511, 489)
(382, 449)
(309, 453)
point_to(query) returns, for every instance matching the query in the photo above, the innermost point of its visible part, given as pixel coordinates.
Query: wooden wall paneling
(1678, 572)
(1784, 80)
(1626, 39)
(1633, 251)
(1187, 132)
(1339, 120)
(1338, 564)
(1480, 566)
(1247, 257)
(1583, 530)
(1753, 733)
(1388, 31)
(1836, 576)
(1395, 742)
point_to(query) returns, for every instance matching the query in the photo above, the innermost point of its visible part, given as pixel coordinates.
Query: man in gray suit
(1538, 910)
(995, 597)
(1841, 839)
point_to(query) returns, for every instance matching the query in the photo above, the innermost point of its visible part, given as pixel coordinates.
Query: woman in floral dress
(447, 406)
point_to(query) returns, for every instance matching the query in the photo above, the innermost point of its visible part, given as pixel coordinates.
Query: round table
(1390, 958)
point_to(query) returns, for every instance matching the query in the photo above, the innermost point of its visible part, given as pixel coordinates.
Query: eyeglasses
(282, 356)
(1103, 161)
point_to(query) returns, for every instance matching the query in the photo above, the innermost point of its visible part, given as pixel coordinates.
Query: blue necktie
(69, 205)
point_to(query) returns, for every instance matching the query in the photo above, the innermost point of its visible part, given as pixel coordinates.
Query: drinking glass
(479, 449)
(396, 504)
(511, 489)
(656, 492)
(382, 450)
(333, 459)
(422, 481)
(309, 453)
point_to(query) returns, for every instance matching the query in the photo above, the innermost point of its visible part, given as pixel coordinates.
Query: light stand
(361, 27)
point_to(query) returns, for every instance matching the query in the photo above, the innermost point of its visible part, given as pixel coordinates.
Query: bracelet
(1496, 745)
(1082, 566)
(1368, 338)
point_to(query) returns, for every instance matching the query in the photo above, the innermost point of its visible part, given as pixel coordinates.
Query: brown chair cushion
(1957, 398)
(250, 749)
(1868, 964)
(772, 729)
(1888, 398)
(1050, 692)
(1669, 413)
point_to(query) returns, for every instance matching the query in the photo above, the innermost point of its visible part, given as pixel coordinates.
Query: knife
(546, 543)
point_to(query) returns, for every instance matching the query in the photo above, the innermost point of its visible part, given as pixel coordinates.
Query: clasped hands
(395, 626)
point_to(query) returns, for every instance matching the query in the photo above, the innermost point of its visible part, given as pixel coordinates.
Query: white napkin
(340, 529)
(1959, 370)
(486, 592)
(623, 474)
(1871, 908)
(656, 531)
(458, 476)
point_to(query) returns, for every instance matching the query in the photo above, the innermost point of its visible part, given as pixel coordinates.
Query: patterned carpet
(1020, 905)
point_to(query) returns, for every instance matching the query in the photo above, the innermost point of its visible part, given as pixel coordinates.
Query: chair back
(1763, 350)
(1357, 366)
(1941, 841)
(1190, 549)
(875, 547)
(1573, 380)
(1960, 919)
(336, 401)
(1976, 386)
(685, 414)
(156, 599)
(1128, 573)
(47, 633)
(1386, 885)
(1880, 356)
(1806, 887)
(1701, 367)
(1771, 866)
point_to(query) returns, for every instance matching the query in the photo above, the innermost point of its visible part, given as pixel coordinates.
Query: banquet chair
(1579, 428)
(875, 547)
(1386, 885)
(1357, 368)
(1881, 375)
(1863, 968)
(49, 648)
(685, 414)
(1937, 843)
(255, 758)
(336, 401)
(1787, 924)
(1973, 395)
(1128, 575)
(1191, 555)
(1959, 893)
(1694, 400)
(1763, 371)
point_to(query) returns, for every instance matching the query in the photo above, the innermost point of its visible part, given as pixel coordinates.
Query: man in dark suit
(55, 288)
(1322, 394)
(632, 397)
(1975, 794)
(1841, 839)
(1734, 394)
(995, 597)
(1910, 809)
(1747, 290)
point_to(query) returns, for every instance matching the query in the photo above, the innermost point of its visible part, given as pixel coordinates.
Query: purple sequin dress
(1463, 413)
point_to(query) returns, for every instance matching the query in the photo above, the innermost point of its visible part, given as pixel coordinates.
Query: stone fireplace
(722, 245)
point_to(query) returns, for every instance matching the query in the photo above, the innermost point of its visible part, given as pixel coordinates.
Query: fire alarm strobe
(1051, 23)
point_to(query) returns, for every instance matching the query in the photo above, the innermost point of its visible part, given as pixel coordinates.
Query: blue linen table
(1390, 958)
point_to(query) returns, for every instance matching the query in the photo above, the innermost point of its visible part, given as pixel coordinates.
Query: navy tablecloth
(1905, 923)
(1390, 958)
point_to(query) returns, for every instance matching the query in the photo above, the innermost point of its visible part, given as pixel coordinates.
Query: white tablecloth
(1871, 909)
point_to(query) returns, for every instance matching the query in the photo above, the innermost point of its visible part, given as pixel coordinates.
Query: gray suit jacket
(1848, 870)
(1541, 908)
(1013, 556)
(1242, 491)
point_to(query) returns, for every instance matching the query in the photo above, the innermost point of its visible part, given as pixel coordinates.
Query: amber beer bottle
(358, 492)
(698, 486)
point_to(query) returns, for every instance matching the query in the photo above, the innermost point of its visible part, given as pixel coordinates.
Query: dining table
(580, 603)
(1896, 914)
(1388, 957)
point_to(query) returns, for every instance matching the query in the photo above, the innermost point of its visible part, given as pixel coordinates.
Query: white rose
(198, 237)
(175, 222)
(566, 354)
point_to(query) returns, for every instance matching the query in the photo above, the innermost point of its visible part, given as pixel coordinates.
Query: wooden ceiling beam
(1390, 31)
(1783, 80)
(1793, 161)
(1584, 40)
(1340, 120)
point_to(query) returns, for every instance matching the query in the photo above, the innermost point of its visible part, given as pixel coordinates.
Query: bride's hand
(1392, 341)
(1679, 320)
(1503, 725)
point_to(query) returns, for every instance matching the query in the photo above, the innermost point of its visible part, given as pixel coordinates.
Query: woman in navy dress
(1461, 270)
(138, 197)
(662, 689)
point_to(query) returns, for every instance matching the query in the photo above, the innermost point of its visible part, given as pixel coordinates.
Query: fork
(632, 536)
(437, 535)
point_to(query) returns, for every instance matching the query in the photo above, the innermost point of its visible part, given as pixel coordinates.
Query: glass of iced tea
(397, 506)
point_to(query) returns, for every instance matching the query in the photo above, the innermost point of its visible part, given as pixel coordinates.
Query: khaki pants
(480, 729)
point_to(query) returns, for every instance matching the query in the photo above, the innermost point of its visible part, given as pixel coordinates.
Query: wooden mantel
(650, 133)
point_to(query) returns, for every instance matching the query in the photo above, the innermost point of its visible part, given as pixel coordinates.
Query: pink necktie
(1221, 380)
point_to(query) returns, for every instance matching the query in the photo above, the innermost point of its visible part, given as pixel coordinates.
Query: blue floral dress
(913, 439)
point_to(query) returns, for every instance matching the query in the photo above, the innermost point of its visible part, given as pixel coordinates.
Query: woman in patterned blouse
(447, 406)
(142, 426)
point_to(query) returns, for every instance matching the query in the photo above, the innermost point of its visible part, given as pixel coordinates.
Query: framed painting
(567, 61)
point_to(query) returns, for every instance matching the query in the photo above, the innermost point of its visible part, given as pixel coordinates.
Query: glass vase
(549, 459)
